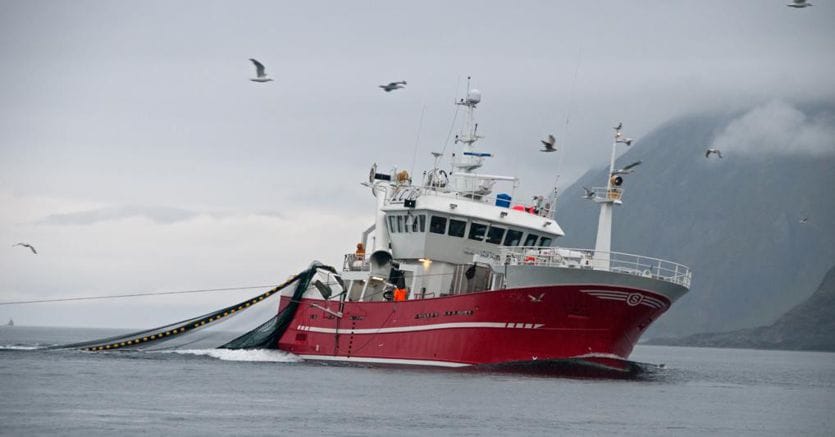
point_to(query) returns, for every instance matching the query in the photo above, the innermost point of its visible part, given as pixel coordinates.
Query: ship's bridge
(451, 227)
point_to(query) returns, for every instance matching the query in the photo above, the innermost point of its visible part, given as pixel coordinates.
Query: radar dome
(474, 96)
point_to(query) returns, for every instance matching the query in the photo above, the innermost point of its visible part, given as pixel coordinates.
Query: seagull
(713, 150)
(627, 141)
(799, 4)
(627, 169)
(619, 126)
(804, 219)
(549, 144)
(589, 193)
(391, 86)
(26, 245)
(536, 299)
(260, 72)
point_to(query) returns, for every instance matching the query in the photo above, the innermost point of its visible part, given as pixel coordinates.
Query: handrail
(486, 199)
(355, 263)
(619, 262)
(613, 193)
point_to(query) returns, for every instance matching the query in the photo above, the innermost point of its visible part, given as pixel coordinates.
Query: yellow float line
(197, 324)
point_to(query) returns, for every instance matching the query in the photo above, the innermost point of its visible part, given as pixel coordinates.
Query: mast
(613, 192)
(469, 159)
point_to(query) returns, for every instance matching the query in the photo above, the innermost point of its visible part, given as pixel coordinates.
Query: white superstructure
(451, 233)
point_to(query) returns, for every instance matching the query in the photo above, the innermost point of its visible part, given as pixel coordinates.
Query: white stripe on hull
(631, 298)
(420, 327)
(384, 361)
(431, 363)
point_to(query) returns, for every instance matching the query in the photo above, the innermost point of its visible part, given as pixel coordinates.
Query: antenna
(417, 140)
(565, 133)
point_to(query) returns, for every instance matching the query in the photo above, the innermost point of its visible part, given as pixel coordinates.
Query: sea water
(699, 391)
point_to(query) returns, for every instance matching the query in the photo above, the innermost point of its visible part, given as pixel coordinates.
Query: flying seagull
(549, 144)
(627, 141)
(589, 193)
(804, 219)
(260, 72)
(627, 169)
(26, 245)
(799, 4)
(619, 126)
(713, 150)
(391, 86)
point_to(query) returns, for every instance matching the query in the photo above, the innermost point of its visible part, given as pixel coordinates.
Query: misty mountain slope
(808, 326)
(733, 221)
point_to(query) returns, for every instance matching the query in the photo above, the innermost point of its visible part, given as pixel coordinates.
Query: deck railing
(614, 193)
(619, 262)
(529, 207)
(355, 263)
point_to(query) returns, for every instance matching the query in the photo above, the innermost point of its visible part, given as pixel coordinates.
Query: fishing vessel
(457, 273)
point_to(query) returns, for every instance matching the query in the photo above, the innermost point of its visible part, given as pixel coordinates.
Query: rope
(569, 109)
(454, 118)
(417, 141)
(119, 296)
(164, 293)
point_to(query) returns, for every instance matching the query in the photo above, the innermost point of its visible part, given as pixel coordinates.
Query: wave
(253, 355)
(18, 347)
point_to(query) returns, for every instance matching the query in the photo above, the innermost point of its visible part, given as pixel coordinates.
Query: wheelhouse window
(392, 227)
(422, 222)
(495, 234)
(477, 231)
(530, 240)
(413, 223)
(400, 223)
(456, 228)
(512, 238)
(437, 225)
(545, 241)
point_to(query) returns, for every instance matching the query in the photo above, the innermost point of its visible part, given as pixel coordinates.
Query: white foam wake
(14, 347)
(265, 355)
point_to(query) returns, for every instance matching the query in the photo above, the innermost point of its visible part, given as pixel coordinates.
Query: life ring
(438, 178)
(530, 259)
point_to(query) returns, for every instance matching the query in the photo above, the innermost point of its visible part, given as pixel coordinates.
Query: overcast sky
(136, 155)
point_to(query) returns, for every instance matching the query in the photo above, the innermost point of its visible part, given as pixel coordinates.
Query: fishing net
(257, 318)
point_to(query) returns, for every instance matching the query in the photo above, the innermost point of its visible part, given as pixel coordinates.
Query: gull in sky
(589, 193)
(619, 126)
(712, 150)
(260, 71)
(621, 139)
(391, 86)
(26, 245)
(799, 4)
(549, 144)
(627, 169)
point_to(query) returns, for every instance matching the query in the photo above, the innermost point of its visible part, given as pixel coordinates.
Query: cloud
(106, 249)
(778, 128)
(156, 214)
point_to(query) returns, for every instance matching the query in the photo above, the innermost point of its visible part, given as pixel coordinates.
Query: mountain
(808, 326)
(736, 221)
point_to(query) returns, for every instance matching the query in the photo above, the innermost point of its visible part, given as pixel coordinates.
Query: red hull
(513, 325)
